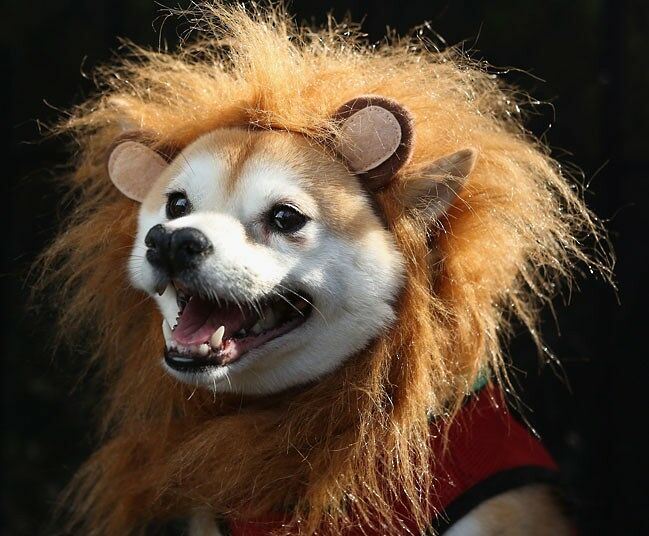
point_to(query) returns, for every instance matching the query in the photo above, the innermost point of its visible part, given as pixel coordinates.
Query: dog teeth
(167, 331)
(217, 337)
(203, 349)
(161, 288)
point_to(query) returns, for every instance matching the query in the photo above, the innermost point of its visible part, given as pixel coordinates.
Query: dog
(300, 256)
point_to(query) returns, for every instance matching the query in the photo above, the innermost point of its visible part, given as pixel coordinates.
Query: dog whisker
(287, 289)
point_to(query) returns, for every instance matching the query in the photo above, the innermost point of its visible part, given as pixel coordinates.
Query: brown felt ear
(437, 187)
(376, 138)
(133, 167)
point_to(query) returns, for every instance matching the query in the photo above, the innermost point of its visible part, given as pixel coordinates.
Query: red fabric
(483, 440)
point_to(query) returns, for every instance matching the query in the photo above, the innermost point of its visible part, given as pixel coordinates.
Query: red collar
(488, 452)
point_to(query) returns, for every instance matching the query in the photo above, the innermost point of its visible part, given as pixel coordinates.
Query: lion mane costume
(344, 451)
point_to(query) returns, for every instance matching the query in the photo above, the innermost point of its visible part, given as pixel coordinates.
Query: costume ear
(376, 138)
(435, 190)
(133, 167)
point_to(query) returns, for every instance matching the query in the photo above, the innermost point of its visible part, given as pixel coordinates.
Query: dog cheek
(139, 271)
(168, 305)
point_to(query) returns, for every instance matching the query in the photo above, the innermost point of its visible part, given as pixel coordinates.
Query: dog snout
(175, 251)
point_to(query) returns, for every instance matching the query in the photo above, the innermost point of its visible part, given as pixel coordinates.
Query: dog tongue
(201, 318)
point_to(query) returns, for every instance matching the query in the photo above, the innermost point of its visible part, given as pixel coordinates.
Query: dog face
(272, 265)
(264, 254)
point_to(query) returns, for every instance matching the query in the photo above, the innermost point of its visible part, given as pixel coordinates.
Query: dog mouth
(213, 333)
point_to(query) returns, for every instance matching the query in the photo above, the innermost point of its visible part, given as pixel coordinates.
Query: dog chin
(261, 371)
(285, 340)
(233, 345)
(302, 356)
(212, 379)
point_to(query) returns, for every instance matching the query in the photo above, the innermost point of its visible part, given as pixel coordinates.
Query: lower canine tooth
(203, 349)
(217, 337)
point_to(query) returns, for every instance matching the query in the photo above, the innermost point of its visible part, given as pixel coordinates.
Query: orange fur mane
(347, 448)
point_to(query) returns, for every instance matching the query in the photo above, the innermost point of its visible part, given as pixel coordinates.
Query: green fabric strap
(481, 380)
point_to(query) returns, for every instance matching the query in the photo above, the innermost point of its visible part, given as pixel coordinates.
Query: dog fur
(341, 434)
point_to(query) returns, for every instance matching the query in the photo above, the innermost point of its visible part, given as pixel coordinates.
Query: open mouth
(212, 333)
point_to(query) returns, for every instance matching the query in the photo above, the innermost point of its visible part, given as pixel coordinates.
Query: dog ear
(376, 138)
(133, 166)
(437, 187)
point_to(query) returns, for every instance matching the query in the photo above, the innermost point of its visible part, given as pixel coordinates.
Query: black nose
(175, 251)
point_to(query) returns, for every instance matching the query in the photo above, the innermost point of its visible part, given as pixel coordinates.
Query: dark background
(586, 58)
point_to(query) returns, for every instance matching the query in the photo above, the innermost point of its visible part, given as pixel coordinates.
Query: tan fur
(345, 449)
(155, 197)
(340, 198)
(529, 511)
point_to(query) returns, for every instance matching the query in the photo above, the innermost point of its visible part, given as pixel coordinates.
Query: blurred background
(586, 59)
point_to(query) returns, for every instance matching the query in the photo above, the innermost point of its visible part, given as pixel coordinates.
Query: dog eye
(286, 219)
(177, 205)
